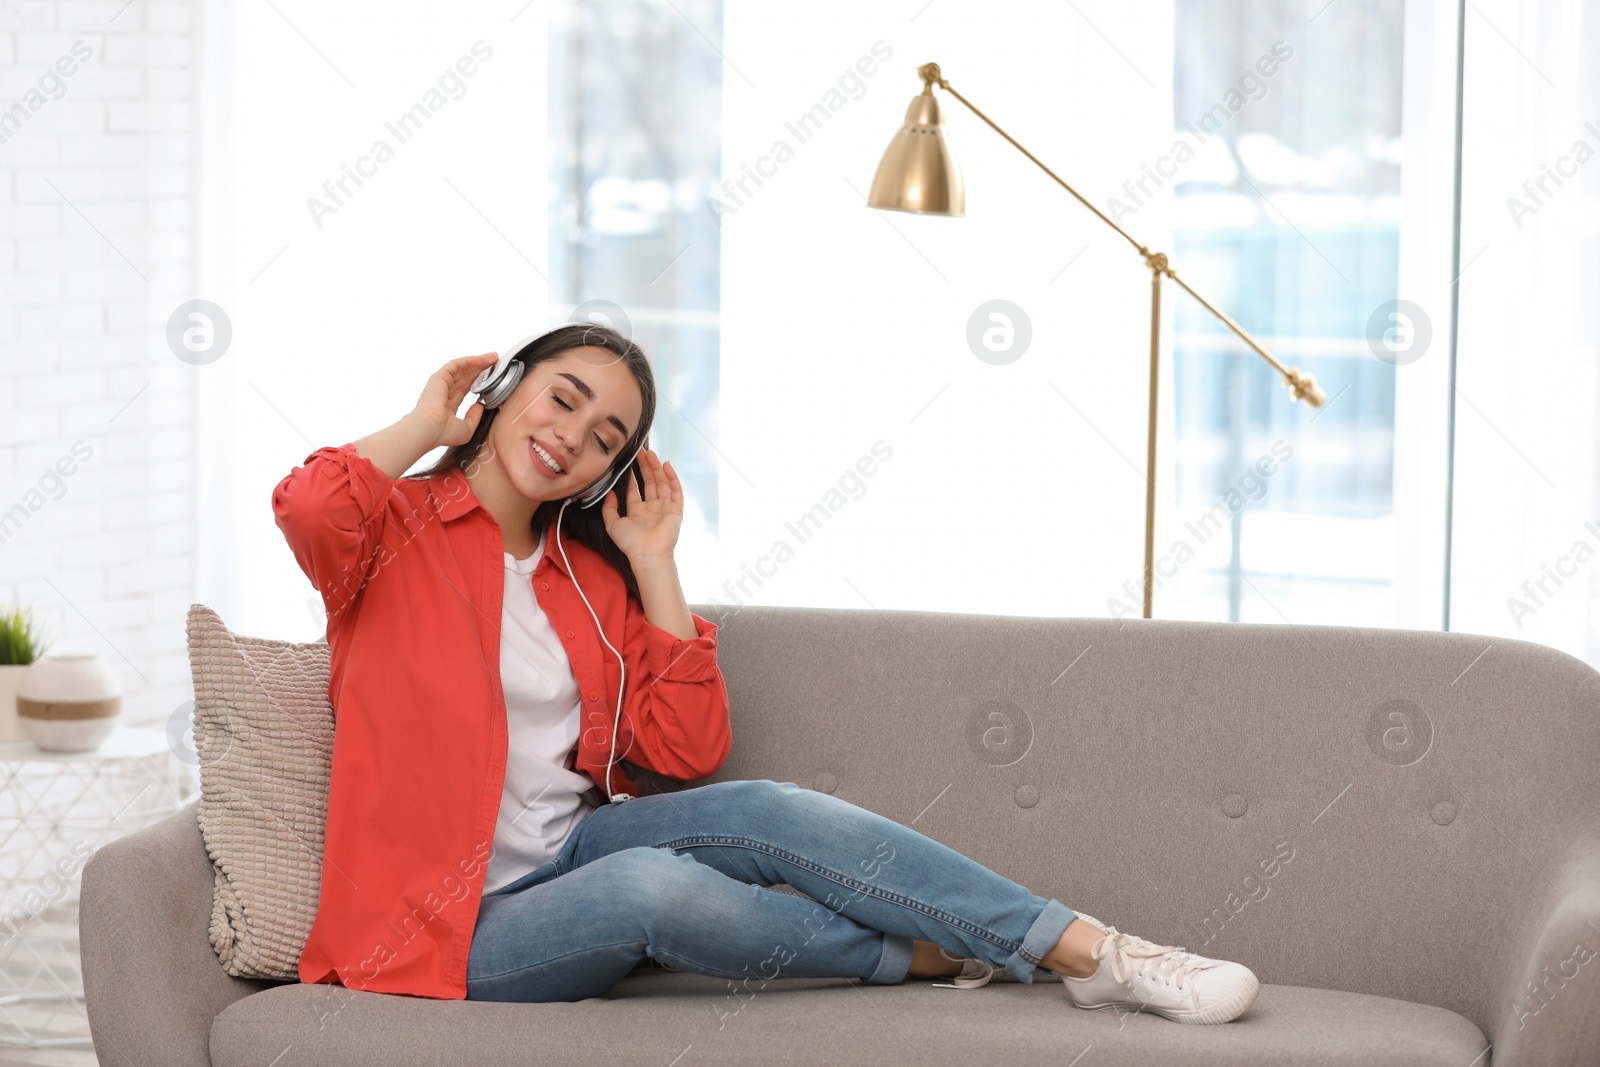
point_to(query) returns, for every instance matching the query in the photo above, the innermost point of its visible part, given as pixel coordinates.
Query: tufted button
(1444, 813)
(1233, 805)
(824, 783)
(1027, 795)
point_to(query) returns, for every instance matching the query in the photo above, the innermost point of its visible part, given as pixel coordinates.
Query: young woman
(497, 648)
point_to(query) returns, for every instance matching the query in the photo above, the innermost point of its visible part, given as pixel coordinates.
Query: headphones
(492, 387)
(495, 384)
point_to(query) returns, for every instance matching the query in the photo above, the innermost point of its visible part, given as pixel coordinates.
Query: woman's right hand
(448, 386)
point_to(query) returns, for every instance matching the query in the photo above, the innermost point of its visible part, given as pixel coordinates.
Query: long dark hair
(585, 525)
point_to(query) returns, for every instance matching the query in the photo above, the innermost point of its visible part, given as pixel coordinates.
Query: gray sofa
(1437, 797)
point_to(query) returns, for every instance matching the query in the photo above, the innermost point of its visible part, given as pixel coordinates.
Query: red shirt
(412, 573)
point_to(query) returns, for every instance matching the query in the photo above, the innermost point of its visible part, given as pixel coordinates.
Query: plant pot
(69, 703)
(10, 681)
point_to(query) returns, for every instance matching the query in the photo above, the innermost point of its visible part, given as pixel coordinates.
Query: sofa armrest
(152, 982)
(1547, 991)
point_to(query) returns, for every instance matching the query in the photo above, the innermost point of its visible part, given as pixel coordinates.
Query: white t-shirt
(542, 801)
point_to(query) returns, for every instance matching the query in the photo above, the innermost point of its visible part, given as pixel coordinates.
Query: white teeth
(551, 463)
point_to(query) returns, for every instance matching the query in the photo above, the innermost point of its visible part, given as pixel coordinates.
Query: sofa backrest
(1337, 807)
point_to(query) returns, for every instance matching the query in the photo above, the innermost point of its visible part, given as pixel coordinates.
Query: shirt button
(544, 585)
(594, 696)
(571, 634)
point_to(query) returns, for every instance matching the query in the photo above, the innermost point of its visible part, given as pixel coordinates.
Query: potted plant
(20, 645)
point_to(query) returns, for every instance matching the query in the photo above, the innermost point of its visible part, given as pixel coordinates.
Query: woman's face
(580, 406)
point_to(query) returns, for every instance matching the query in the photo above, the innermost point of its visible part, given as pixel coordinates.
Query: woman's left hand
(650, 528)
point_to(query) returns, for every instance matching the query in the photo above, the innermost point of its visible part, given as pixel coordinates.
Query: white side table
(56, 809)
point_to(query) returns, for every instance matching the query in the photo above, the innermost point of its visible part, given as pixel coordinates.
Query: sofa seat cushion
(652, 1016)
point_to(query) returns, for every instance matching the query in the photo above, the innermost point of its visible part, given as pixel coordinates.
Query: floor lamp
(918, 173)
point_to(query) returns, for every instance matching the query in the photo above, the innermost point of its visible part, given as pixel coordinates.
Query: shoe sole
(1226, 1011)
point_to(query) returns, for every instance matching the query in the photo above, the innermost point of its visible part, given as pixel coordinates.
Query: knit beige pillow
(263, 728)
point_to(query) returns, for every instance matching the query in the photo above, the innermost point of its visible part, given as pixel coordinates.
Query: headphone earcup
(494, 385)
(597, 492)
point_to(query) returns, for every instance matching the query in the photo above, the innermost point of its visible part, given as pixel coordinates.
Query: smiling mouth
(549, 461)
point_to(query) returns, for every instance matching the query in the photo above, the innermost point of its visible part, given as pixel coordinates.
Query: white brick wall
(97, 246)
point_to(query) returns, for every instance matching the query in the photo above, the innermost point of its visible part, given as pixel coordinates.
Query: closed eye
(597, 437)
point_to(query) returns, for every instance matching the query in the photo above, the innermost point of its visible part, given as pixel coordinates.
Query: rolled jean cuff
(896, 961)
(1041, 937)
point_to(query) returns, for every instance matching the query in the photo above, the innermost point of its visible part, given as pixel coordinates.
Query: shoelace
(1126, 951)
(974, 972)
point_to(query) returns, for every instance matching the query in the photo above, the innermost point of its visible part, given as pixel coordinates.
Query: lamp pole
(918, 174)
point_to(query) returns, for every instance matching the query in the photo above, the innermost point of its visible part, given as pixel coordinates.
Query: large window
(1288, 220)
(635, 135)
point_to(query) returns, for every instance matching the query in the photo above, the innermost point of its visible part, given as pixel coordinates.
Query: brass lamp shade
(918, 172)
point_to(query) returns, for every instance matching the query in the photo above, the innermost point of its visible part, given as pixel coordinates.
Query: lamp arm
(1302, 386)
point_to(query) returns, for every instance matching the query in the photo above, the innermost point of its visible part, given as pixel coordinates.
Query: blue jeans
(681, 878)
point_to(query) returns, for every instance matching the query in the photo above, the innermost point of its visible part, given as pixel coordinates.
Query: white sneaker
(974, 972)
(1165, 979)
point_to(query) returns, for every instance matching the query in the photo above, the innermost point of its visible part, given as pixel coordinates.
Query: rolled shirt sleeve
(676, 698)
(331, 510)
